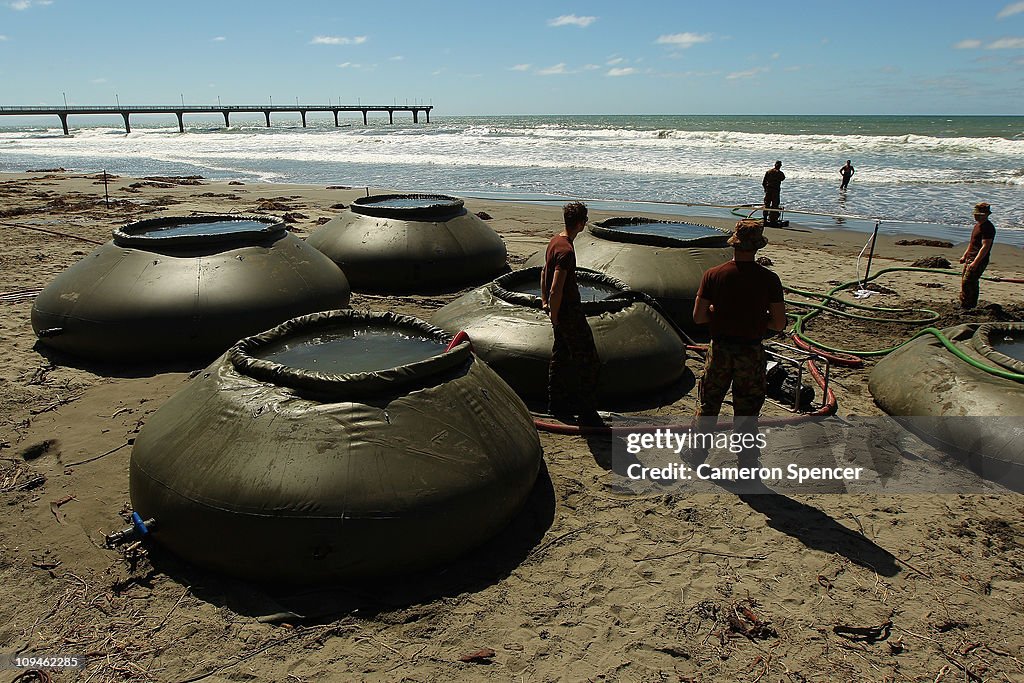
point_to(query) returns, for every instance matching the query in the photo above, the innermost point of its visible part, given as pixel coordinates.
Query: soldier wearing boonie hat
(975, 258)
(740, 300)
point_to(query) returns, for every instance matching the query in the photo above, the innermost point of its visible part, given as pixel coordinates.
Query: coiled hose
(854, 358)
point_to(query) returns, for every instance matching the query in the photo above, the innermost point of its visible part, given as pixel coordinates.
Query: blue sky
(467, 58)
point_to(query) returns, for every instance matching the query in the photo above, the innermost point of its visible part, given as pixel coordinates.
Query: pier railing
(226, 110)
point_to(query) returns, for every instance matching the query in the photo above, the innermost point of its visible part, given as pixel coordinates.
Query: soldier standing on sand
(741, 300)
(847, 172)
(975, 258)
(772, 185)
(574, 367)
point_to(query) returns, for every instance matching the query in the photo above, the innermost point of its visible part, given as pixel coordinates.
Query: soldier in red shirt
(740, 300)
(573, 372)
(975, 258)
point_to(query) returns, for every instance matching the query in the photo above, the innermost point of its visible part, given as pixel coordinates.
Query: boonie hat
(982, 207)
(748, 235)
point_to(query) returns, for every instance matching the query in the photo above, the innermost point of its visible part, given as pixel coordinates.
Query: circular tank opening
(589, 291)
(1009, 343)
(213, 228)
(187, 230)
(408, 206)
(354, 349)
(678, 230)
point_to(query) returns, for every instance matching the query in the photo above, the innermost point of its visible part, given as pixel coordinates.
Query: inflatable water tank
(950, 401)
(410, 243)
(167, 288)
(665, 259)
(336, 446)
(640, 352)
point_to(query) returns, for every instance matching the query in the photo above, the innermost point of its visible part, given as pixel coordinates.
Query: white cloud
(349, 65)
(219, 39)
(775, 55)
(684, 40)
(555, 70)
(572, 20)
(1010, 10)
(969, 44)
(396, 58)
(1006, 44)
(98, 81)
(614, 61)
(749, 73)
(2, 38)
(338, 40)
(627, 71)
(20, 5)
(591, 67)
(520, 67)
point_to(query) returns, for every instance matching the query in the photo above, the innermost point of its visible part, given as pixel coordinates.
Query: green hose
(931, 317)
(1005, 374)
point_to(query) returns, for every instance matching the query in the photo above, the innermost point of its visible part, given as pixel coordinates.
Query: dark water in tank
(589, 291)
(357, 349)
(679, 231)
(410, 203)
(1012, 346)
(212, 228)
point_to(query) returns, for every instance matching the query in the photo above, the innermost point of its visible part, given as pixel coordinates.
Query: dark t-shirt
(740, 292)
(773, 179)
(982, 231)
(560, 254)
(847, 172)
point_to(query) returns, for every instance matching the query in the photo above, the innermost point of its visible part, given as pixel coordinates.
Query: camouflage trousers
(742, 366)
(575, 365)
(970, 285)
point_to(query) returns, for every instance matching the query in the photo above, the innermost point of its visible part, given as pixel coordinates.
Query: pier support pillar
(335, 118)
(428, 115)
(391, 115)
(303, 114)
(364, 117)
(266, 113)
(227, 121)
(64, 123)
(181, 121)
(127, 125)
(415, 115)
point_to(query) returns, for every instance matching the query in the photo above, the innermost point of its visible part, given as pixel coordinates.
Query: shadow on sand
(815, 528)
(123, 370)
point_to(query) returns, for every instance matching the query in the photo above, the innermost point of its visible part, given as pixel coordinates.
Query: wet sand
(587, 584)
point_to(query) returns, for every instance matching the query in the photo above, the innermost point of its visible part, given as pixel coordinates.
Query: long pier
(226, 111)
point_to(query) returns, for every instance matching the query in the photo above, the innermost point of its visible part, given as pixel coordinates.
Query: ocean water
(918, 175)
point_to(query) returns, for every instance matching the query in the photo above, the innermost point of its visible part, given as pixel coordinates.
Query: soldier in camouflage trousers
(740, 300)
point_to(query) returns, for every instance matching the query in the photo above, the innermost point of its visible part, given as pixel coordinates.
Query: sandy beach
(587, 584)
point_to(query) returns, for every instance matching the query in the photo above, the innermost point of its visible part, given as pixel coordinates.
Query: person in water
(772, 184)
(846, 172)
(573, 371)
(975, 258)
